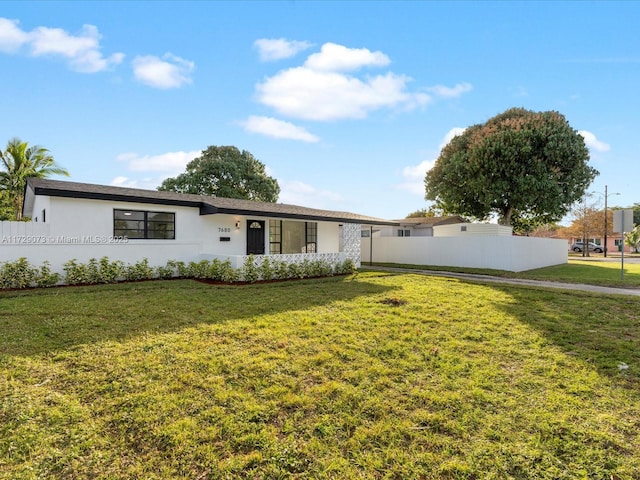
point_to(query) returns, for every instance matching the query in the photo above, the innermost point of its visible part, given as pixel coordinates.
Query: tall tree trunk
(17, 204)
(506, 217)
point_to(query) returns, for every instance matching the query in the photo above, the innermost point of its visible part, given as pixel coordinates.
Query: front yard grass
(592, 272)
(376, 375)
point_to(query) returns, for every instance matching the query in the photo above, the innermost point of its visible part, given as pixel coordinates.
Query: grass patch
(590, 272)
(575, 271)
(373, 376)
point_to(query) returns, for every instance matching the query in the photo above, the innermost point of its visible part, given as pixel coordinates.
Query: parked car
(579, 247)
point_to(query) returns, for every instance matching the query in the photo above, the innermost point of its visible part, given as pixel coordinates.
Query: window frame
(275, 236)
(117, 232)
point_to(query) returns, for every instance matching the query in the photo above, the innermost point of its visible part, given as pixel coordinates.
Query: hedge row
(21, 274)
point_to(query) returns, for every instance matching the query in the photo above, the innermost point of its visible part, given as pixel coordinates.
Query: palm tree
(20, 161)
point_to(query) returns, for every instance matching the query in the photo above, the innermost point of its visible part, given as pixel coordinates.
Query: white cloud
(171, 162)
(414, 174)
(169, 71)
(321, 90)
(270, 49)
(148, 183)
(414, 177)
(451, 92)
(11, 36)
(272, 127)
(81, 51)
(593, 143)
(308, 94)
(300, 193)
(123, 182)
(449, 136)
(338, 58)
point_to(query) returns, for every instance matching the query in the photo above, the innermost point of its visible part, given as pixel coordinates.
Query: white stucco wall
(82, 229)
(509, 253)
(467, 229)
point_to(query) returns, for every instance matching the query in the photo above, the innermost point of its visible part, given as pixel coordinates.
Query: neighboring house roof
(425, 222)
(207, 204)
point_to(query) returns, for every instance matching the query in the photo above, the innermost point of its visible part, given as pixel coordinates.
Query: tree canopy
(225, 172)
(588, 222)
(432, 211)
(19, 162)
(633, 238)
(527, 167)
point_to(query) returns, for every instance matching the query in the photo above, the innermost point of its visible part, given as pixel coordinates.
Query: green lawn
(575, 271)
(589, 271)
(378, 375)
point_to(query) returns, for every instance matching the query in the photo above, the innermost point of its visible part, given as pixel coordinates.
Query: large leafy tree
(432, 211)
(19, 162)
(225, 172)
(6, 207)
(588, 222)
(526, 167)
(636, 213)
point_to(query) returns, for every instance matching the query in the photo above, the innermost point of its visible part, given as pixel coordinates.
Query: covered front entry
(255, 237)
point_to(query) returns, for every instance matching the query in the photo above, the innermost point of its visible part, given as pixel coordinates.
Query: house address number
(224, 229)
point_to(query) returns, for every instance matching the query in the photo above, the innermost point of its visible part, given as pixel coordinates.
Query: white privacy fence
(514, 254)
(10, 232)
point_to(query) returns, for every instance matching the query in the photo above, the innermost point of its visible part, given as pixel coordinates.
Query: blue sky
(346, 103)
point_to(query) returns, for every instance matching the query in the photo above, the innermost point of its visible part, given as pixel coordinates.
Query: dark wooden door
(255, 237)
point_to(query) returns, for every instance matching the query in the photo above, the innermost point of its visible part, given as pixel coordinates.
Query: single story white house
(81, 221)
(447, 226)
(411, 227)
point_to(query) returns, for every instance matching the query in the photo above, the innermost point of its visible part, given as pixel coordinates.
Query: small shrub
(75, 273)
(280, 269)
(306, 269)
(17, 274)
(294, 271)
(93, 271)
(227, 272)
(320, 268)
(266, 269)
(214, 270)
(139, 270)
(250, 272)
(111, 272)
(198, 269)
(45, 278)
(167, 271)
(182, 268)
(346, 267)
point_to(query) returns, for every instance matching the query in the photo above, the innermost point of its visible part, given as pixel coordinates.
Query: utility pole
(606, 224)
(605, 221)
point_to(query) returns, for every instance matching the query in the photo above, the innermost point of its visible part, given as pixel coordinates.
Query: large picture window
(292, 237)
(144, 225)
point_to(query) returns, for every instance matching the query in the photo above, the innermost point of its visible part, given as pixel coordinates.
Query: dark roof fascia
(55, 192)
(205, 208)
(298, 216)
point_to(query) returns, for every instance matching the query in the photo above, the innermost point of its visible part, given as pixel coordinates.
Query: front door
(255, 237)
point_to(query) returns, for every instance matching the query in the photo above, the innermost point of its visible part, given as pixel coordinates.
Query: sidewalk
(511, 281)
